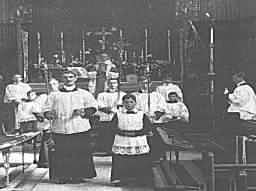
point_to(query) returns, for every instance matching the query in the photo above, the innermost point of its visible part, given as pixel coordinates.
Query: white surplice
(109, 99)
(157, 102)
(16, 92)
(178, 110)
(243, 101)
(64, 103)
(130, 145)
(164, 90)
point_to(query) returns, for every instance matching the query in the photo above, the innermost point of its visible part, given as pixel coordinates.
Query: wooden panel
(8, 50)
(228, 9)
(3, 11)
(7, 36)
(248, 8)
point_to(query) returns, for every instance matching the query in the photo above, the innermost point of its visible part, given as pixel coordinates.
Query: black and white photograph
(128, 95)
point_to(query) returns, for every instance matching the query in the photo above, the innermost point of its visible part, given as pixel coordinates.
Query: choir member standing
(14, 94)
(2, 105)
(70, 109)
(27, 113)
(175, 109)
(109, 102)
(131, 159)
(243, 99)
(44, 125)
(150, 102)
(168, 86)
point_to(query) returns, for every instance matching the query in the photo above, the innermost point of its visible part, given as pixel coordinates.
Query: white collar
(242, 82)
(69, 88)
(112, 90)
(134, 110)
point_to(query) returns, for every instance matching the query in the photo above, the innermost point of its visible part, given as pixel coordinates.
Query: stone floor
(38, 180)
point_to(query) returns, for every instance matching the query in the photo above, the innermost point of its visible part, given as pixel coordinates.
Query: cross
(104, 35)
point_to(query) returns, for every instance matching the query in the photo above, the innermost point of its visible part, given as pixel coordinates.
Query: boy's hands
(78, 112)
(50, 115)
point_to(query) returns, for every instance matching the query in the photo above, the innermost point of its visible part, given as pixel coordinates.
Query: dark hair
(112, 79)
(129, 96)
(70, 71)
(172, 93)
(239, 74)
(30, 91)
(142, 79)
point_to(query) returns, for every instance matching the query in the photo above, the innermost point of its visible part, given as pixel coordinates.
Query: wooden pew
(187, 175)
(238, 172)
(7, 143)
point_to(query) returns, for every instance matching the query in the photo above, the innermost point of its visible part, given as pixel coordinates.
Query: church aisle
(100, 183)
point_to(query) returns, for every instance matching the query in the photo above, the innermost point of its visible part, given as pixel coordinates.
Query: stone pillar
(19, 47)
(4, 11)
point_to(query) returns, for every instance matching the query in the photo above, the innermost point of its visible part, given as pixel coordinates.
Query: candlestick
(169, 45)
(146, 44)
(212, 35)
(126, 55)
(83, 47)
(39, 48)
(121, 34)
(142, 54)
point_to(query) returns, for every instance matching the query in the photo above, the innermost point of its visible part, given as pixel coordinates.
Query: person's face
(236, 79)
(113, 84)
(69, 79)
(144, 85)
(54, 85)
(173, 97)
(102, 67)
(32, 96)
(17, 78)
(129, 104)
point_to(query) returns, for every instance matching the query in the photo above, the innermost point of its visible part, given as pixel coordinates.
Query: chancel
(128, 95)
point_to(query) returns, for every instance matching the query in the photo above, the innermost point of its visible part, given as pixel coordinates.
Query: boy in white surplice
(175, 109)
(131, 158)
(150, 102)
(109, 102)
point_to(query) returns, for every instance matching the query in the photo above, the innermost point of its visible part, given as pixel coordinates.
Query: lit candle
(134, 54)
(212, 35)
(38, 36)
(126, 55)
(62, 40)
(146, 44)
(169, 45)
(121, 34)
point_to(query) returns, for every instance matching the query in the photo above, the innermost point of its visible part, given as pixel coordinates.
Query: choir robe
(164, 90)
(25, 115)
(177, 110)
(14, 92)
(131, 153)
(44, 126)
(157, 102)
(243, 101)
(72, 152)
(110, 99)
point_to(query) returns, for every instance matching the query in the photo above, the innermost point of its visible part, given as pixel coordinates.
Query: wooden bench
(186, 175)
(7, 143)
